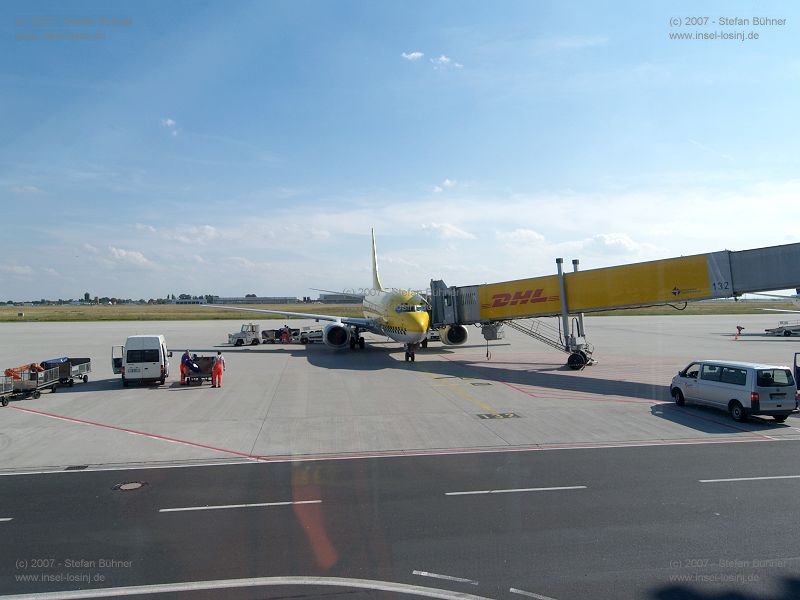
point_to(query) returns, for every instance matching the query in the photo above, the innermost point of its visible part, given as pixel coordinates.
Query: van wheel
(239, 342)
(787, 333)
(737, 412)
(678, 396)
(85, 378)
(779, 418)
(36, 394)
(254, 342)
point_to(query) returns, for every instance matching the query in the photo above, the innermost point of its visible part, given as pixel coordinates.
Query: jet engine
(454, 335)
(336, 335)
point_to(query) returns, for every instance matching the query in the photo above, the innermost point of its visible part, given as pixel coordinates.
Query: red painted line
(135, 432)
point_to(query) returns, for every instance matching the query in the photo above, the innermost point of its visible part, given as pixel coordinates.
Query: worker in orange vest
(217, 370)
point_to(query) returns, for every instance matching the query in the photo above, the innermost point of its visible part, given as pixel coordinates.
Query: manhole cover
(130, 485)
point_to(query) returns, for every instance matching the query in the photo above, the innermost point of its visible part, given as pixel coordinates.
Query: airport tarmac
(284, 402)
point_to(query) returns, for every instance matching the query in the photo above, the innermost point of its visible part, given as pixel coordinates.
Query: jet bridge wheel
(576, 361)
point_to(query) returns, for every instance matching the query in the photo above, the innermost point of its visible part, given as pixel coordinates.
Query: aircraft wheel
(576, 361)
(413, 356)
(352, 343)
(361, 342)
(424, 343)
(407, 356)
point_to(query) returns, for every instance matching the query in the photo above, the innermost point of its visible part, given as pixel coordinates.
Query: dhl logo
(526, 297)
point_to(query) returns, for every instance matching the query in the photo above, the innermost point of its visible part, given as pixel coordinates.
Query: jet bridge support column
(563, 295)
(581, 332)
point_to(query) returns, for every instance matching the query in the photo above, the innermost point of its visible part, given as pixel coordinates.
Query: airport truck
(785, 328)
(249, 334)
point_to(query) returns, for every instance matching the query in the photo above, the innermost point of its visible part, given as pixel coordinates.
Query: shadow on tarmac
(790, 591)
(377, 357)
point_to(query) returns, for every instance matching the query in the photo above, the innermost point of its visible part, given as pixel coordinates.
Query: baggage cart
(6, 389)
(30, 381)
(70, 369)
(204, 366)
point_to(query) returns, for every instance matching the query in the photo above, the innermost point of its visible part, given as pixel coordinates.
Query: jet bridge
(723, 274)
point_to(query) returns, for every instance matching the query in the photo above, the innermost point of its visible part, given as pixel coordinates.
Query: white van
(741, 388)
(143, 358)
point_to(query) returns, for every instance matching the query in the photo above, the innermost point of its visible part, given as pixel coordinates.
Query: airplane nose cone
(418, 322)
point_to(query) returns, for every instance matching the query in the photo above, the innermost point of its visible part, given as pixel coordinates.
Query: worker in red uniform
(185, 360)
(217, 370)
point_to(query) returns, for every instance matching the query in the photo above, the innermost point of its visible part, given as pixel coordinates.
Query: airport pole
(563, 295)
(575, 263)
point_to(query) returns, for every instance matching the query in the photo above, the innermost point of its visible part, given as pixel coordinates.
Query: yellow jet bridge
(723, 274)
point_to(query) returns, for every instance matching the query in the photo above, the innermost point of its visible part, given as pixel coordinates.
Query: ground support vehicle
(29, 381)
(740, 388)
(204, 366)
(785, 328)
(70, 369)
(247, 335)
(279, 336)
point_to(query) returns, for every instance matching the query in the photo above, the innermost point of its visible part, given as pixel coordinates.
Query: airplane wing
(783, 310)
(358, 322)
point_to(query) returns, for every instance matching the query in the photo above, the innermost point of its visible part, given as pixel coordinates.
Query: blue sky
(249, 147)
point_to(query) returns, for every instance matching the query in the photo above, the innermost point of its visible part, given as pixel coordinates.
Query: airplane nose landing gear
(410, 351)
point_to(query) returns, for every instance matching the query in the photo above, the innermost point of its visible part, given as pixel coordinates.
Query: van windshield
(143, 356)
(774, 377)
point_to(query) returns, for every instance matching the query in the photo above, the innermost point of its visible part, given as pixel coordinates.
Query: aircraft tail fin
(376, 280)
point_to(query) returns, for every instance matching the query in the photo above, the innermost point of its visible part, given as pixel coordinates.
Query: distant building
(256, 300)
(191, 301)
(341, 299)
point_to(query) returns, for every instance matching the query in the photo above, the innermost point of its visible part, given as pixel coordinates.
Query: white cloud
(132, 257)
(90, 248)
(170, 125)
(142, 227)
(25, 189)
(412, 56)
(16, 269)
(520, 236)
(448, 231)
(193, 235)
(445, 62)
(446, 184)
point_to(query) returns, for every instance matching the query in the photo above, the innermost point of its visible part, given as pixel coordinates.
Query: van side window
(774, 377)
(710, 373)
(735, 376)
(143, 356)
(693, 370)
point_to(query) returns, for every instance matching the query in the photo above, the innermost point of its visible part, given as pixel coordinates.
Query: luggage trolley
(70, 369)
(6, 389)
(204, 366)
(30, 381)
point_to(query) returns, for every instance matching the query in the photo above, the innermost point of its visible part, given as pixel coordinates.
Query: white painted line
(529, 594)
(511, 491)
(445, 577)
(223, 584)
(749, 478)
(6, 519)
(223, 506)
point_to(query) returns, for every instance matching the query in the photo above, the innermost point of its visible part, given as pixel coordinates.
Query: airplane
(795, 299)
(400, 315)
